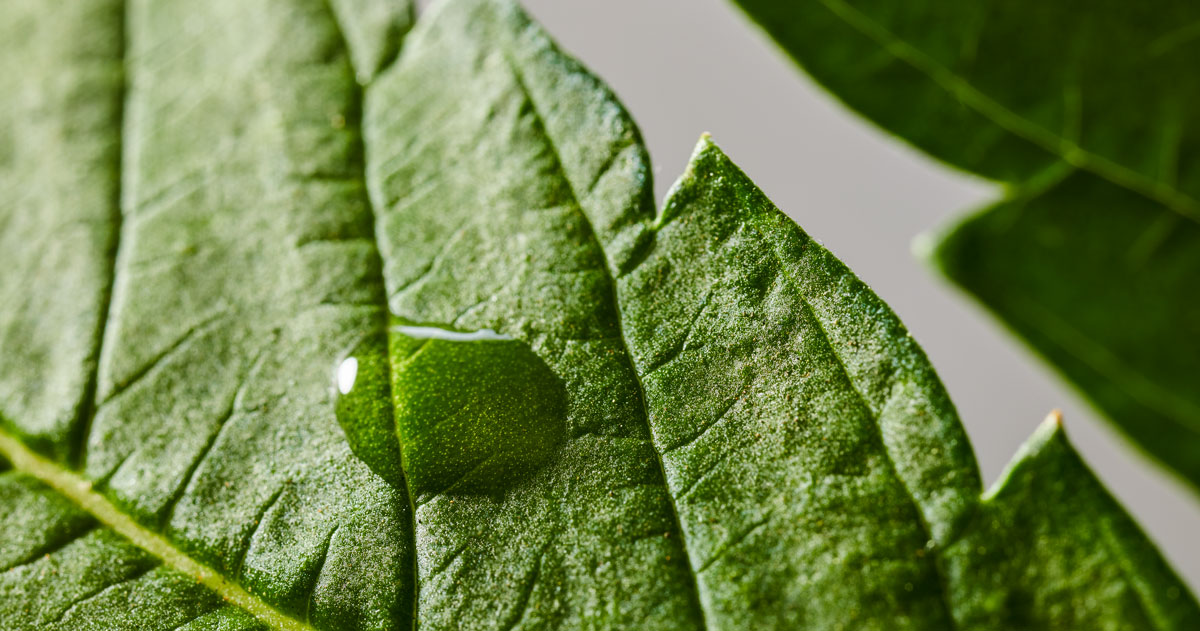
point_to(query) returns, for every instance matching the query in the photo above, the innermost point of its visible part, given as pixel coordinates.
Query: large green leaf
(1088, 113)
(399, 339)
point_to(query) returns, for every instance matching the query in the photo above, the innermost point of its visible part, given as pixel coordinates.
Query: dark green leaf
(1123, 327)
(585, 414)
(1088, 113)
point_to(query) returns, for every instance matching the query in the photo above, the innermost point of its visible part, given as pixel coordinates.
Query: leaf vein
(733, 543)
(641, 391)
(1052, 142)
(927, 532)
(49, 550)
(100, 592)
(370, 203)
(180, 344)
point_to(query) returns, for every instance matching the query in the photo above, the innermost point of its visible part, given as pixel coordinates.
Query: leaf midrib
(80, 492)
(1064, 148)
(370, 205)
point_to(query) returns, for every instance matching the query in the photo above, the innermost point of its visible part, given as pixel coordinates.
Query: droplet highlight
(435, 333)
(346, 374)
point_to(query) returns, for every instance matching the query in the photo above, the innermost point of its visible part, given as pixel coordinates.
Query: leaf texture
(749, 437)
(482, 224)
(1087, 115)
(60, 141)
(64, 569)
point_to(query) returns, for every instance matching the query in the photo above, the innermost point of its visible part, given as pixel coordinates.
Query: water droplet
(475, 411)
(463, 412)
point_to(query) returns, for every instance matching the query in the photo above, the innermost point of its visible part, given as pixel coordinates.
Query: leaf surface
(60, 147)
(400, 339)
(1088, 116)
(481, 224)
(246, 263)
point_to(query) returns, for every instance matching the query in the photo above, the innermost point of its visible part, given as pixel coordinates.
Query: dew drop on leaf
(455, 412)
(475, 411)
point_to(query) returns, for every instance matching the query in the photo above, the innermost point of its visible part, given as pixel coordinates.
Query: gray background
(683, 67)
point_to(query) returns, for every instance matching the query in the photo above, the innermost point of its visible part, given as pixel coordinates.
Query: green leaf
(1107, 299)
(245, 265)
(399, 342)
(1088, 116)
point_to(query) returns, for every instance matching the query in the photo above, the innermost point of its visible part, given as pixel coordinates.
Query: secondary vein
(87, 404)
(1066, 149)
(641, 391)
(79, 490)
(926, 530)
